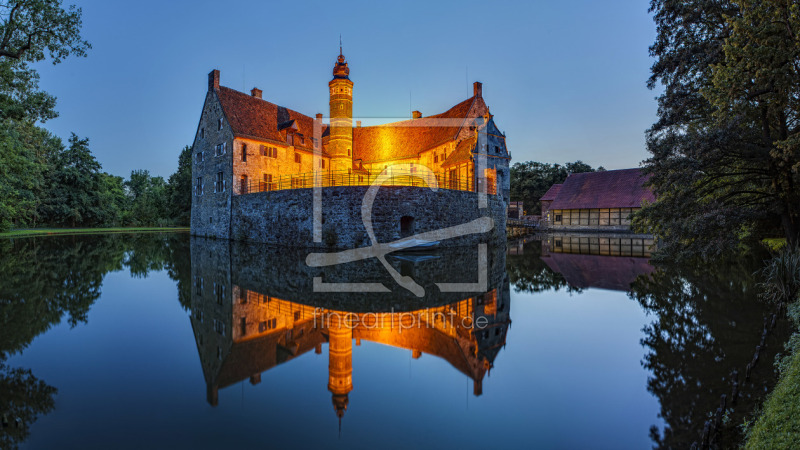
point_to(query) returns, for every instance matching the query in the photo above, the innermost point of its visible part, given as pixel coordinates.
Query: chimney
(358, 124)
(416, 115)
(477, 89)
(319, 116)
(256, 92)
(213, 80)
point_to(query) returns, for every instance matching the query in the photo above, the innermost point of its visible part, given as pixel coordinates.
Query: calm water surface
(163, 341)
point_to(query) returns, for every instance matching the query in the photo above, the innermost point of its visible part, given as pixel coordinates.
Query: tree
(179, 189)
(73, 197)
(25, 152)
(530, 180)
(31, 31)
(148, 199)
(724, 161)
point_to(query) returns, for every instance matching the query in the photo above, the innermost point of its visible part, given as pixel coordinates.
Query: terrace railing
(363, 178)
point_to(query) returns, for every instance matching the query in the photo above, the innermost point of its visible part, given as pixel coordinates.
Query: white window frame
(217, 189)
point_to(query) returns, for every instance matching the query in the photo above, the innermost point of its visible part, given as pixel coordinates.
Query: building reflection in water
(604, 262)
(242, 332)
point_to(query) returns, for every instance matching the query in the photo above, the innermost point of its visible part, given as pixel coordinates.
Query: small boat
(414, 258)
(413, 245)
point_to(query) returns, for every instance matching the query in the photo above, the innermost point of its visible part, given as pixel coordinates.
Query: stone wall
(211, 211)
(282, 273)
(285, 217)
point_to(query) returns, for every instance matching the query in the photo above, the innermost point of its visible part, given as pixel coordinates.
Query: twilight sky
(565, 80)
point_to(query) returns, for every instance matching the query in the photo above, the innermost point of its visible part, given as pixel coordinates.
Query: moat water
(167, 341)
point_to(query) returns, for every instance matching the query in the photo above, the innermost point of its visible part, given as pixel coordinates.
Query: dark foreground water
(165, 341)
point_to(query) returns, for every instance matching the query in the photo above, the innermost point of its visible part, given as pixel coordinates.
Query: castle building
(245, 144)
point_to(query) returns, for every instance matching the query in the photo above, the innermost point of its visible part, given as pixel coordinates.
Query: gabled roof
(462, 153)
(551, 193)
(615, 273)
(408, 138)
(255, 118)
(608, 189)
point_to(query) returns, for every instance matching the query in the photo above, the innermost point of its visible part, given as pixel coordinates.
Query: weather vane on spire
(340, 44)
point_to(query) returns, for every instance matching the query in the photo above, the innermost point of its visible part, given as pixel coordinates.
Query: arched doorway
(406, 226)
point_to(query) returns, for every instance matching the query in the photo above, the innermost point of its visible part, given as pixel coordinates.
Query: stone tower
(340, 144)
(340, 361)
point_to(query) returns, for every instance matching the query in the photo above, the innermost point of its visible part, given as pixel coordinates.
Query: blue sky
(565, 80)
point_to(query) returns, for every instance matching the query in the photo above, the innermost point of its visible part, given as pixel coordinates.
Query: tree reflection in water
(48, 279)
(706, 321)
(707, 325)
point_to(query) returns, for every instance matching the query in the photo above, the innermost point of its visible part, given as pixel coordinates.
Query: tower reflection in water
(254, 308)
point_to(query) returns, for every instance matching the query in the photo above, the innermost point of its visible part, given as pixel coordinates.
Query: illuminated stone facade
(246, 145)
(247, 320)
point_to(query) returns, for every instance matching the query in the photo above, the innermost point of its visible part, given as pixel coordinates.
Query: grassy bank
(779, 423)
(68, 231)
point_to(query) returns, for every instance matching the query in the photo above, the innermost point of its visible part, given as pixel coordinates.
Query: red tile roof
(408, 138)
(608, 189)
(254, 118)
(462, 153)
(615, 273)
(551, 193)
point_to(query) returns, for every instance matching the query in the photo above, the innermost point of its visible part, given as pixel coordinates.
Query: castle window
(199, 157)
(322, 163)
(271, 152)
(220, 149)
(297, 158)
(219, 327)
(349, 152)
(219, 290)
(558, 219)
(244, 152)
(219, 184)
(435, 158)
(219, 125)
(267, 183)
(198, 189)
(267, 325)
(202, 132)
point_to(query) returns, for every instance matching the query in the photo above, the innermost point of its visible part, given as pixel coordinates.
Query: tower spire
(340, 44)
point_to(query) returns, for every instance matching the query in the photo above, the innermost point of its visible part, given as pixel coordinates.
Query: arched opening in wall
(406, 226)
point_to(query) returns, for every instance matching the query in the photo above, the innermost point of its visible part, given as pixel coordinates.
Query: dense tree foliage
(47, 281)
(530, 180)
(43, 182)
(179, 189)
(725, 150)
(32, 31)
